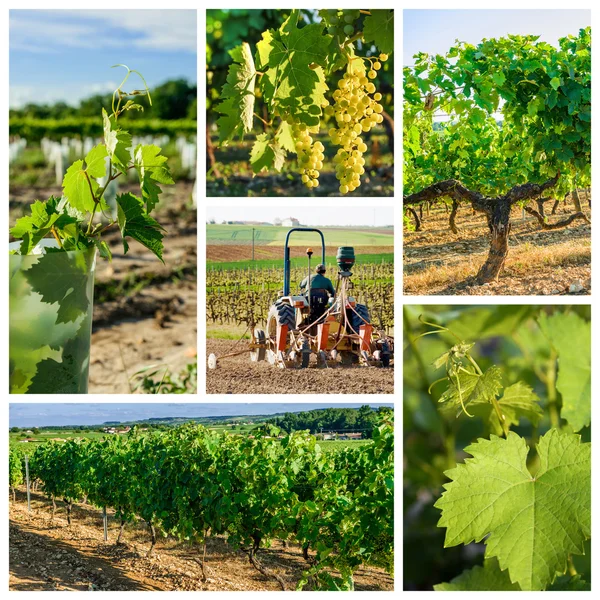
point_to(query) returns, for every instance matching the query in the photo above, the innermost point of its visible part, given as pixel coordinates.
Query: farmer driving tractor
(320, 290)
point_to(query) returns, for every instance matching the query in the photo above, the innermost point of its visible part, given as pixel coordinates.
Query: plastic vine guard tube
(51, 306)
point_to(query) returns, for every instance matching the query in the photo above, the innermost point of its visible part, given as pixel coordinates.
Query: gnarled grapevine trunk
(497, 211)
(499, 224)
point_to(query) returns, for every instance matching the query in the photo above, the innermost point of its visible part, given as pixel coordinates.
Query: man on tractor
(320, 290)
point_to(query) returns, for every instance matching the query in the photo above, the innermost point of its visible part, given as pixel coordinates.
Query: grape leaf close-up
(533, 522)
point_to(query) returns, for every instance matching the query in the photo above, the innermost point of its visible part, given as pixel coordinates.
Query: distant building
(290, 222)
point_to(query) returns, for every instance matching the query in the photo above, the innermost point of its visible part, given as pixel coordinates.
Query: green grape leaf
(79, 183)
(570, 336)
(237, 106)
(266, 154)
(293, 59)
(486, 578)
(379, 29)
(518, 401)
(95, 164)
(533, 522)
(32, 228)
(285, 137)
(151, 167)
(473, 387)
(568, 583)
(61, 278)
(135, 223)
(118, 143)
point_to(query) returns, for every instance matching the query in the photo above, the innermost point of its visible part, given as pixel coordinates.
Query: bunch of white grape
(356, 110)
(310, 154)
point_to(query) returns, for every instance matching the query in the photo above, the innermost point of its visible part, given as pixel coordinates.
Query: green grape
(332, 30)
(310, 155)
(348, 30)
(348, 18)
(355, 112)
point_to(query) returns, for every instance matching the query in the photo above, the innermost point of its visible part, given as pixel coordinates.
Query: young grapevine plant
(71, 219)
(533, 512)
(290, 71)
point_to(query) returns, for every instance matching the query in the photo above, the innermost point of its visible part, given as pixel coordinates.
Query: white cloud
(170, 30)
(72, 94)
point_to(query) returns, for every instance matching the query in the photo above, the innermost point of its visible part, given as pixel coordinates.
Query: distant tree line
(174, 99)
(330, 419)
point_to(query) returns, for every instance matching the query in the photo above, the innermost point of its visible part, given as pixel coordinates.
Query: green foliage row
(188, 481)
(33, 129)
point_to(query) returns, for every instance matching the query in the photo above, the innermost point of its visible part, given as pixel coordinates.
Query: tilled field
(144, 311)
(540, 262)
(46, 554)
(238, 375)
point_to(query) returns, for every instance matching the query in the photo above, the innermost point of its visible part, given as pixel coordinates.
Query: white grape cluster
(356, 110)
(310, 154)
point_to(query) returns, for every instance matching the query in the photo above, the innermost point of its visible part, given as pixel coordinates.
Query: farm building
(290, 222)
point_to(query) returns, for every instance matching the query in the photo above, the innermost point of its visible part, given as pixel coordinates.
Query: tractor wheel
(355, 320)
(280, 314)
(258, 354)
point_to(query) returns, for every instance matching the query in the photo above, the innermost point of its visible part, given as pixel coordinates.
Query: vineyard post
(253, 244)
(27, 483)
(105, 523)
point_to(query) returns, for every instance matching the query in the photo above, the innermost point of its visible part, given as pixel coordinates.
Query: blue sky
(84, 413)
(434, 31)
(67, 54)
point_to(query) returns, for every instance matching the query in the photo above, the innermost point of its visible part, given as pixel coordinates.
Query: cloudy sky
(67, 54)
(84, 413)
(434, 31)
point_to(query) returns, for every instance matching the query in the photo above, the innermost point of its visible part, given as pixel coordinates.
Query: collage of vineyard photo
(134, 249)
(205, 200)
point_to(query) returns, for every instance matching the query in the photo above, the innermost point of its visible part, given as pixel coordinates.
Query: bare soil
(232, 252)
(47, 554)
(145, 312)
(540, 262)
(238, 375)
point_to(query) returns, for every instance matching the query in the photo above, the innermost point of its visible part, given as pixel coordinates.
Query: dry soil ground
(144, 311)
(49, 555)
(436, 261)
(238, 375)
